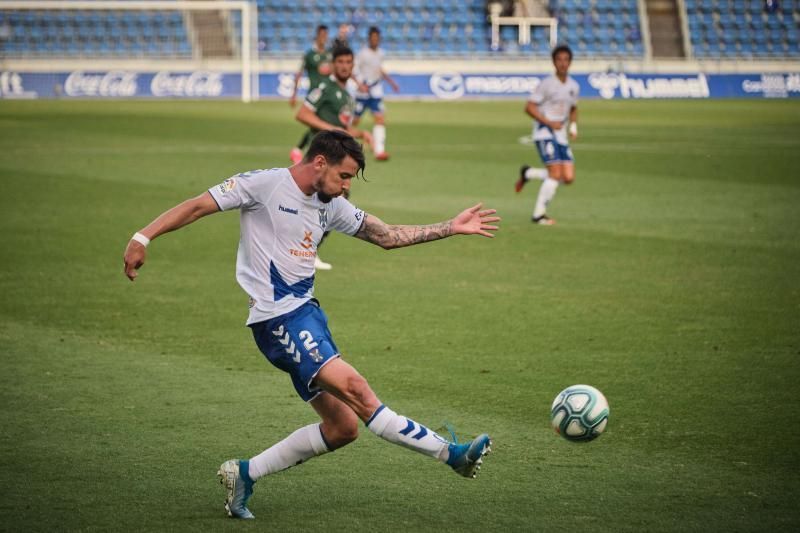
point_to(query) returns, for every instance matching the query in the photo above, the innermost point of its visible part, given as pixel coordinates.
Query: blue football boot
(234, 476)
(466, 459)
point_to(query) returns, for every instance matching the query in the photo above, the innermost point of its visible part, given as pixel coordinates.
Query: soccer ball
(579, 413)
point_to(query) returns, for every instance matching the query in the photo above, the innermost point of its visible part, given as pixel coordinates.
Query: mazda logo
(447, 85)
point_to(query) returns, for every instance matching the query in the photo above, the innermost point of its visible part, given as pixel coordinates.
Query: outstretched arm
(469, 222)
(306, 116)
(177, 217)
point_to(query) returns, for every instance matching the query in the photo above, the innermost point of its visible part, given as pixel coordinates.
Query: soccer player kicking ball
(283, 213)
(553, 105)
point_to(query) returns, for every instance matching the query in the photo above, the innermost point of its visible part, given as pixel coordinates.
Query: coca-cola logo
(200, 84)
(115, 83)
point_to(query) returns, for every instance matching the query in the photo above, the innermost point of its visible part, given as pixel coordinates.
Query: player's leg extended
(550, 154)
(298, 343)
(546, 193)
(344, 382)
(528, 173)
(339, 427)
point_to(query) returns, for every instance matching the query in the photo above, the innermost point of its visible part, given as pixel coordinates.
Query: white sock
(546, 193)
(379, 138)
(536, 174)
(303, 444)
(390, 426)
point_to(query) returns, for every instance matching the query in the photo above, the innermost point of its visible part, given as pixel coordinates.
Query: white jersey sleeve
(244, 190)
(344, 216)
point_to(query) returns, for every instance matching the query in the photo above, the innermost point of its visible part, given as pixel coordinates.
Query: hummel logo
(287, 209)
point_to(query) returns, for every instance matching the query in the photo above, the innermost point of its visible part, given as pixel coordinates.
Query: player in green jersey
(317, 66)
(330, 106)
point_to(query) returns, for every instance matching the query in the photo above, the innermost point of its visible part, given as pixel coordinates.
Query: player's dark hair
(335, 145)
(373, 29)
(341, 50)
(321, 27)
(562, 48)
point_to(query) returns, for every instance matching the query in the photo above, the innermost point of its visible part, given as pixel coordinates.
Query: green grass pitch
(670, 283)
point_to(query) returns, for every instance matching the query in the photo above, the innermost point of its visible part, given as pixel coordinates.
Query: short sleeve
(345, 217)
(315, 97)
(244, 190)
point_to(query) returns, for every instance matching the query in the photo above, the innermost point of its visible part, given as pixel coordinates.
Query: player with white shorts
(369, 74)
(554, 107)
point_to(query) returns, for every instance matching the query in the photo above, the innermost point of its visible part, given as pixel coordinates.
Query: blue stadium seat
(744, 28)
(445, 27)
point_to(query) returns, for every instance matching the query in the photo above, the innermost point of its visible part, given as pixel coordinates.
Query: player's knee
(345, 432)
(348, 432)
(554, 174)
(568, 180)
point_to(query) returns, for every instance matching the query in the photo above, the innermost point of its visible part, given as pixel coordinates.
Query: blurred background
(244, 49)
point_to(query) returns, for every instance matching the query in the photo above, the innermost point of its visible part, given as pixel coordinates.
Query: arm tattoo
(388, 236)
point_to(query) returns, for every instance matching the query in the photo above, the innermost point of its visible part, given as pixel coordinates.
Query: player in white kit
(554, 107)
(369, 74)
(283, 213)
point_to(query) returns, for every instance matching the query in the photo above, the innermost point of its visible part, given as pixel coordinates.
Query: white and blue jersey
(280, 229)
(369, 71)
(555, 100)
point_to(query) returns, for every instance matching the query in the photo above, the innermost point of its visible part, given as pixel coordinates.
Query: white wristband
(138, 237)
(573, 128)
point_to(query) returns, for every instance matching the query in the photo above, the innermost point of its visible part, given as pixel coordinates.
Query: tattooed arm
(388, 236)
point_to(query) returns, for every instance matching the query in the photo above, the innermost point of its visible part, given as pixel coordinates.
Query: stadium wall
(434, 80)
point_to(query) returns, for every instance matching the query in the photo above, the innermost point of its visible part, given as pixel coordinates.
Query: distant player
(369, 74)
(329, 106)
(342, 39)
(283, 213)
(554, 107)
(317, 66)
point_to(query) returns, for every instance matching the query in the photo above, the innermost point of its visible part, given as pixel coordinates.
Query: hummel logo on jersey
(287, 209)
(323, 218)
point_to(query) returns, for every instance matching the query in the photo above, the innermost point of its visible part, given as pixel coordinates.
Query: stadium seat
(744, 29)
(445, 27)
